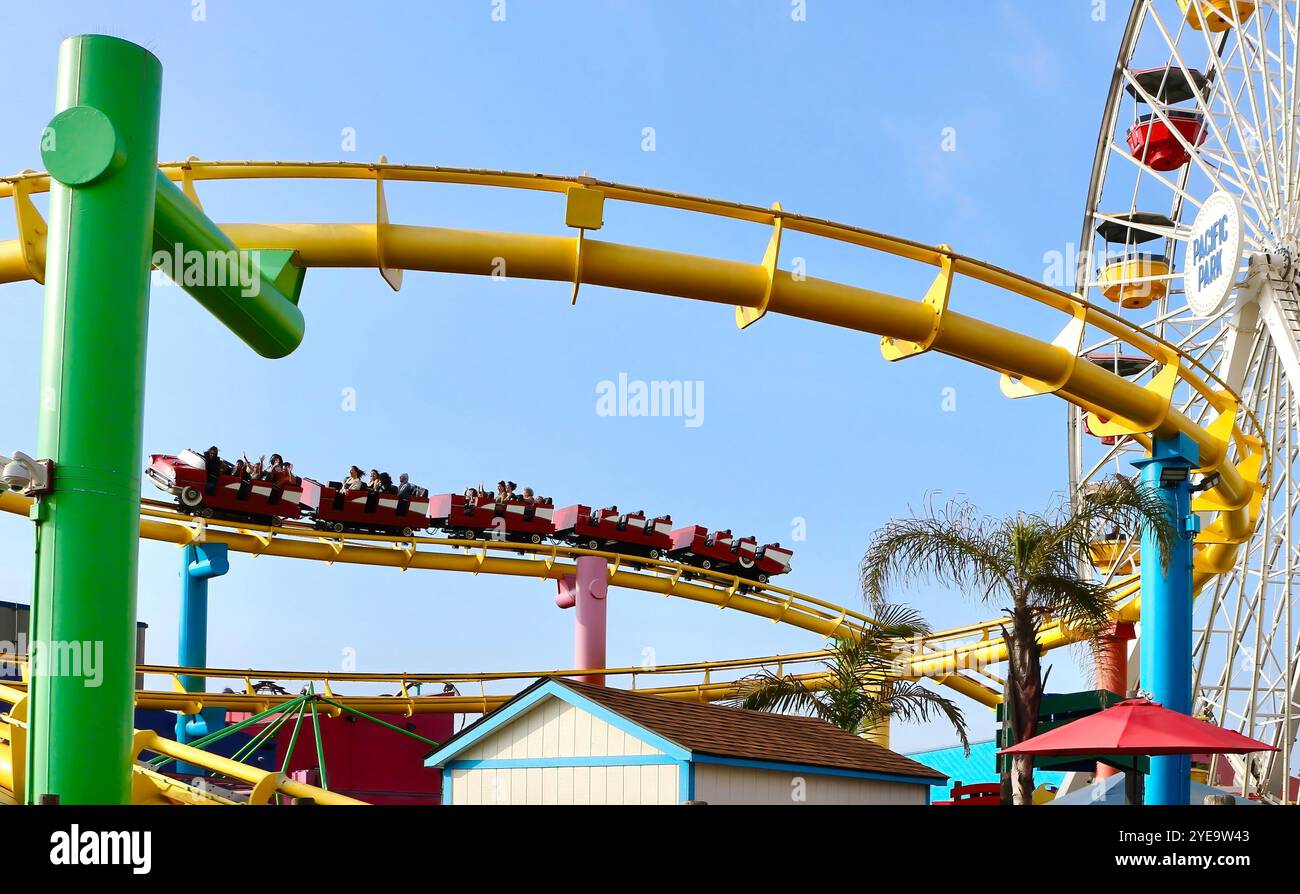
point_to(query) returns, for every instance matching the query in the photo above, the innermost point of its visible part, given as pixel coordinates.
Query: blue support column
(200, 563)
(1167, 608)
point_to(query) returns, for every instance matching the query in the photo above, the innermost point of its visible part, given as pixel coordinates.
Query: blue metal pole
(199, 564)
(1166, 663)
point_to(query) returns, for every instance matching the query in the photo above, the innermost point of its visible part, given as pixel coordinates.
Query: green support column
(101, 151)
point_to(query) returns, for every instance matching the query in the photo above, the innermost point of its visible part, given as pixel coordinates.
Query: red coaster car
(771, 560)
(720, 551)
(607, 529)
(486, 519)
(336, 509)
(222, 494)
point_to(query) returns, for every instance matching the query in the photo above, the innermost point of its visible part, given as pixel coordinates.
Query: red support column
(1112, 671)
(585, 592)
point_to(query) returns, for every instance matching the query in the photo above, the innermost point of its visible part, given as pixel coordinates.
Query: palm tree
(1030, 566)
(859, 688)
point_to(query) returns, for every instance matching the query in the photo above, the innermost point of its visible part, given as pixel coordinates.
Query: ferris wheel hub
(1278, 267)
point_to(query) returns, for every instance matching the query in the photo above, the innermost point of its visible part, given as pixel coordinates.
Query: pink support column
(1112, 671)
(585, 592)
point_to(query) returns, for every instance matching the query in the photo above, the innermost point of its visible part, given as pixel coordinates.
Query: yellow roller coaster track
(1230, 443)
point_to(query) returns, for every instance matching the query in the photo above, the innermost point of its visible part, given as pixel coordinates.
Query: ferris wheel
(1192, 231)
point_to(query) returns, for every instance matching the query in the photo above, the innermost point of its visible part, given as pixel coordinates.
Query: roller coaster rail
(1230, 444)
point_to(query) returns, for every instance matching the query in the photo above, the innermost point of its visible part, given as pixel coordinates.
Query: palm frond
(952, 546)
(1081, 604)
(1117, 504)
(766, 691)
(910, 702)
(896, 620)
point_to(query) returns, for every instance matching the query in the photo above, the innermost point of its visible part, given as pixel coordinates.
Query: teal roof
(981, 766)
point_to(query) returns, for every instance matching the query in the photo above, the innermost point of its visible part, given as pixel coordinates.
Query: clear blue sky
(839, 116)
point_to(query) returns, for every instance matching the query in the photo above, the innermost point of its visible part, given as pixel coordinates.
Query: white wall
(554, 728)
(566, 785)
(718, 784)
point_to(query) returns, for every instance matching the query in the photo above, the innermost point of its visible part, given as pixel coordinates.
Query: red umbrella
(1138, 726)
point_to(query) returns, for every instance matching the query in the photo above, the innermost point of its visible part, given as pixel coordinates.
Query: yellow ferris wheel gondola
(1131, 278)
(1136, 279)
(1216, 15)
(1115, 553)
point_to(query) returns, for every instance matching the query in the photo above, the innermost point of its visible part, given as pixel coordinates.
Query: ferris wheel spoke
(1267, 147)
(1224, 92)
(1292, 108)
(1182, 193)
(1282, 98)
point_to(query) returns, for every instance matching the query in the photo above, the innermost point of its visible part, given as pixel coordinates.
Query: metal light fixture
(22, 474)
(1173, 474)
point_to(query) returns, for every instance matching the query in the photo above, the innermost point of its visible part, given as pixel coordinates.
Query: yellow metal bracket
(31, 230)
(1161, 386)
(264, 788)
(839, 622)
(746, 316)
(391, 275)
(187, 182)
(584, 210)
(1070, 341)
(936, 298)
(261, 538)
(1221, 431)
(578, 245)
(140, 740)
(335, 544)
(785, 610)
(731, 593)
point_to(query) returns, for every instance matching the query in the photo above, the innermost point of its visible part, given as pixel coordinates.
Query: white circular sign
(1213, 254)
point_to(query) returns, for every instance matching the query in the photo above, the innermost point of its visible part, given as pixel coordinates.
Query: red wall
(365, 760)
